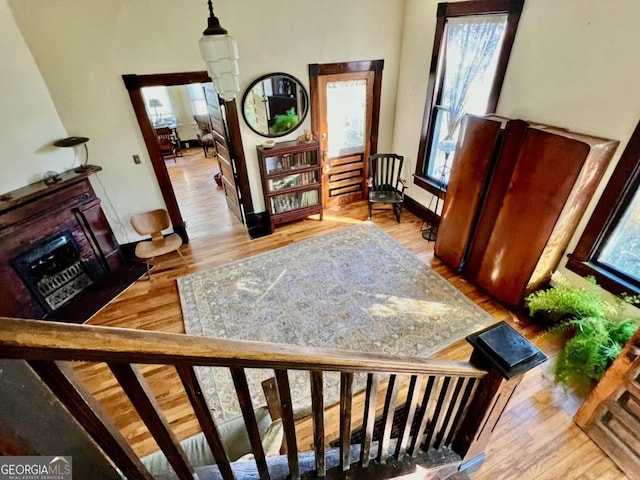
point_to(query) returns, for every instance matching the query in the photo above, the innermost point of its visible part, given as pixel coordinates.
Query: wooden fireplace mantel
(39, 189)
(38, 212)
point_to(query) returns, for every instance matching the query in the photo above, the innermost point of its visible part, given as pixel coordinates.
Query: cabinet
(516, 193)
(291, 180)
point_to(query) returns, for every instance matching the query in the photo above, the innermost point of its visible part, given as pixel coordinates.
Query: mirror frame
(300, 117)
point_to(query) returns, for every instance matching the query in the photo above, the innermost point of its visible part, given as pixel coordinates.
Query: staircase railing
(451, 406)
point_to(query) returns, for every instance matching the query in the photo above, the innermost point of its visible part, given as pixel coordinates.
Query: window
(470, 53)
(159, 104)
(198, 102)
(609, 248)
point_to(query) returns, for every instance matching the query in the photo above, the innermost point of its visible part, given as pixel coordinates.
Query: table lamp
(155, 103)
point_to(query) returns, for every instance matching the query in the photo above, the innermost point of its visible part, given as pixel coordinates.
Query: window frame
(513, 9)
(615, 199)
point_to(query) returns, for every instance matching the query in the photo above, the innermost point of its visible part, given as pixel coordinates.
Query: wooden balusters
(288, 423)
(437, 419)
(393, 388)
(447, 422)
(369, 417)
(469, 391)
(430, 393)
(244, 399)
(460, 405)
(346, 400)
(143, 400)
(83, 406)
(317, 403)
(410, 410)
(201, 409)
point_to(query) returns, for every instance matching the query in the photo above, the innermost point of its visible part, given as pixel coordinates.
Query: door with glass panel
(343, 116)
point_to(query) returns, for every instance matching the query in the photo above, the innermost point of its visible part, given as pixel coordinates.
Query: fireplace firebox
(53, 271)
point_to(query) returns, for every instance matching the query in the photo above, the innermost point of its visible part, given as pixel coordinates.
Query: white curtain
(471, 43)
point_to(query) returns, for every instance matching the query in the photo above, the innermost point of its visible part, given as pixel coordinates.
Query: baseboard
(420, 211)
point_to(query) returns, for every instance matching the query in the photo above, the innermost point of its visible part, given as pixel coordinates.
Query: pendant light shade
(219, 52)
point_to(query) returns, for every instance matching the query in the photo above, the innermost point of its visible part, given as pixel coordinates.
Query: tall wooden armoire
(516, 193)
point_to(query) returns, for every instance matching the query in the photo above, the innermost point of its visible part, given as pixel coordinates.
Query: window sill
(429, 185)
(605, 279)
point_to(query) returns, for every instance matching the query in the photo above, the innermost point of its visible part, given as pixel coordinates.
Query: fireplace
(59, 259)
(53, 271)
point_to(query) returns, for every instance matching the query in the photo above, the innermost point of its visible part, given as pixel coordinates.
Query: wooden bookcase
(291, 180)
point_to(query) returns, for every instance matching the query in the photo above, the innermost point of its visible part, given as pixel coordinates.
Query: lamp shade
(220, 54)
(154, 103)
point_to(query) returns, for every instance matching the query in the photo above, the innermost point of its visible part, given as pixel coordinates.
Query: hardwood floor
(200, 200)
(536, 438)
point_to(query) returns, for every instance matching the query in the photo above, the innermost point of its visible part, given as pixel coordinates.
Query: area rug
(353, 289)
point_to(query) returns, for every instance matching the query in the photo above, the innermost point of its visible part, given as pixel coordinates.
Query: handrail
(42, 340)
(458, 407)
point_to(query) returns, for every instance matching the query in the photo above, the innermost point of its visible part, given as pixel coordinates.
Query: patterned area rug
(354, 289)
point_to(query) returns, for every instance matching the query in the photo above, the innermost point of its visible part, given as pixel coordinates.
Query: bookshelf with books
(291, 180)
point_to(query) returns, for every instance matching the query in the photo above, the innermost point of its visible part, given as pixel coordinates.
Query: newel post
(507, 355)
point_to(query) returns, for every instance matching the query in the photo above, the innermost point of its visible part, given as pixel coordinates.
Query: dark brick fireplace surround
(59, 259)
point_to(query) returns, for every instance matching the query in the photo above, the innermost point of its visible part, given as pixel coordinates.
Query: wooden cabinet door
(611, 414)
(478, 140)
(554, 176)
(224, 149)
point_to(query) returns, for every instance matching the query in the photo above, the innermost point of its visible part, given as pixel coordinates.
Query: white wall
(82, 48)
(573, 64)
(29, 123)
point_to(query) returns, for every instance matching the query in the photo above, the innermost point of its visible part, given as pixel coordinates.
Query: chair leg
(184, 260)
(149, 268)
(370, 205)
(397, 209)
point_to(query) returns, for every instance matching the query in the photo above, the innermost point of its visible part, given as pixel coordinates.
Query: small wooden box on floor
(516, 194)
(291, 180)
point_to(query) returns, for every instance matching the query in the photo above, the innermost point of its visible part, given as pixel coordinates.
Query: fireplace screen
(53, 271)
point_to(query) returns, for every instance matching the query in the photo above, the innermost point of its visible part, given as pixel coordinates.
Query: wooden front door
(219, 123)
(345, 110)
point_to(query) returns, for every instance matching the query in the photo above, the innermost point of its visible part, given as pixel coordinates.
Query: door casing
(318, 70)
(134, 83)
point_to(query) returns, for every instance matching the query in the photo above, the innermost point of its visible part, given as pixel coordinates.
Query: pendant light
(219, 51)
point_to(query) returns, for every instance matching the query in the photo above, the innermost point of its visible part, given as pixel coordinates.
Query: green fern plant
(285, 122)
(597, 333)
(593, 348)
(564, 302)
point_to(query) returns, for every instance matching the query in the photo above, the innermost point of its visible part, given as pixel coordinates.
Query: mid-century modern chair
(385, 184)
(205, 133)
(152, 223)
(167, 143)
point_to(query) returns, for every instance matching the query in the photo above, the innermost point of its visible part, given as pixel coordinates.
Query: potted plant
(564, 302)
(596, 329)
(285, 122)
(595, 344)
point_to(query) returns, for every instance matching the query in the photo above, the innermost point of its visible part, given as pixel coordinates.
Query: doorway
(345, 111)
(220, 114)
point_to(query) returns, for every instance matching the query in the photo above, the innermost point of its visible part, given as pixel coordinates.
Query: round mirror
(275, 104)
